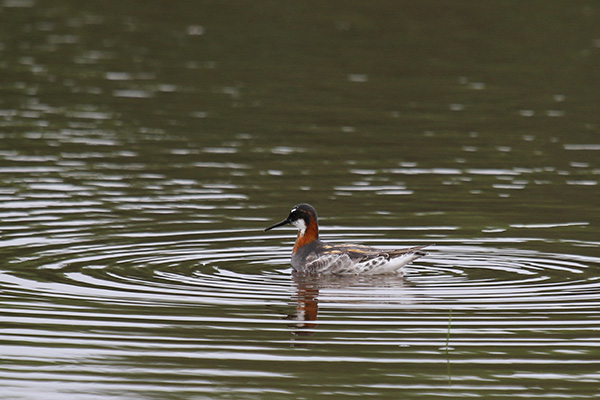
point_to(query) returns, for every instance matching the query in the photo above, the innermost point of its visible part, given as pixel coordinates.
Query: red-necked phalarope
(310, 255)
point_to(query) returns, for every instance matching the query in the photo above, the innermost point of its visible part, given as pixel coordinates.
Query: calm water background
(145, 144)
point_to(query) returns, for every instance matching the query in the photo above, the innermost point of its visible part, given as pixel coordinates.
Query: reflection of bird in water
(348, 289)
(307, 307)
(310, 255)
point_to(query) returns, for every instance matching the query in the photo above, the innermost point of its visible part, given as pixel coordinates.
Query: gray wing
(373, 263)
(328, 263)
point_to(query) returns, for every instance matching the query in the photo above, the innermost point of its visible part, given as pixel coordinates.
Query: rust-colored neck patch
(310, 235)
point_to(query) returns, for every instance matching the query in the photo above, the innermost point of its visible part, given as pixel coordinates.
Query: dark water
(144, 146)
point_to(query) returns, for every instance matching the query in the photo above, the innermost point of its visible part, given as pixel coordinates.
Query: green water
(146, 144)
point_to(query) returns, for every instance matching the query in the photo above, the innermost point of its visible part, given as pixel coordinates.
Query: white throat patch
(301, 225)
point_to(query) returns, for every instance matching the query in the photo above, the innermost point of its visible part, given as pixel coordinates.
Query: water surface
(145, 145)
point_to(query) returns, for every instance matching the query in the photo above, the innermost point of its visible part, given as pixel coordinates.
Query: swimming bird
(311, 255)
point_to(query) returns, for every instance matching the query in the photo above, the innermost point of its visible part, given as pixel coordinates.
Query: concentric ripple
(196, 309)
(155, 313)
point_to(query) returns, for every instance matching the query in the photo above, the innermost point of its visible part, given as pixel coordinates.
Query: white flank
(342, 264)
